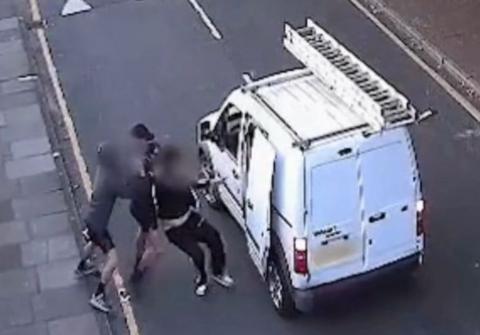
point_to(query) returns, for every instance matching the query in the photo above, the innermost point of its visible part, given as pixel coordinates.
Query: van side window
(228, 129)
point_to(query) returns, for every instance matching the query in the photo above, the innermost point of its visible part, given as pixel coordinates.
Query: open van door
(258, 199)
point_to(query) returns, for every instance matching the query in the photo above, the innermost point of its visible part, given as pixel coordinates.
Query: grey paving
(17, 282)
(15, 312)
(30, 166)
(30, 147)
(36, 329)
(13, 232)
(10, 257)
(17, 100)
(22, 131)
(39, 294)
(62, 247)
(76, 325)
(6, 211)
(57, 274)
(40, 183)
(60, 303)
(17, 86)
(50, 225)
(38, 205)
(34, 252)
(9, 23)
(23, 114)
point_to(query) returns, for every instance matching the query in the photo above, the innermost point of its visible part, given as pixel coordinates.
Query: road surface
(158, 62)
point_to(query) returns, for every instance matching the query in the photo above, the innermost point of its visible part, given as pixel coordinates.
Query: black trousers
(188, 237)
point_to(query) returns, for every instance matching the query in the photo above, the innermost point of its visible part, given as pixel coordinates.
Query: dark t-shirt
(173, 199)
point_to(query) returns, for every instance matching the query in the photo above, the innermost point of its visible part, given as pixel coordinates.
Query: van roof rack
(363, 91)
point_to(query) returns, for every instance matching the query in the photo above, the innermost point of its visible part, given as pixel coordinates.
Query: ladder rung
(332, 54)
(359, 76)
(390, 104)
(370, 86)
(305, 31)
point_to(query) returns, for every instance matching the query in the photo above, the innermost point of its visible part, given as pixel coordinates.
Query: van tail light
(300, 256)
(420, 217)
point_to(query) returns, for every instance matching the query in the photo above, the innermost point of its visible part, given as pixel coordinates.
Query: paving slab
(6, 211)
(60, 303)
(13, 232)
(13, 64)
(35, 329)
(62, 247)
(22, 131)
(30, 147)
(9, 23)
(77, 325)
(34, 252)
(30, 166)
(16, 100)
(57, 274)
(9, 35)
(17, 282)
(10, 257)
(40, 183)
(23, 114)
(17, 86)
(15, 312)
(39, 205)
(50, 225)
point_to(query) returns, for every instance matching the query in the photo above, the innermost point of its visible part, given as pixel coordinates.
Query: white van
(319, 170)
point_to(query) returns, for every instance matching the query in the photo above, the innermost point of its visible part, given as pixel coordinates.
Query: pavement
(156, 62)
(39, 294)
(446, 30)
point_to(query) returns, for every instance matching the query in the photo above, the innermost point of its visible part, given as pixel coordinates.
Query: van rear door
(389, 186)
(335, 243)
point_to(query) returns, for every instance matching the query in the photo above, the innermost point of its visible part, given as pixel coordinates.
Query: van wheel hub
(275, 286)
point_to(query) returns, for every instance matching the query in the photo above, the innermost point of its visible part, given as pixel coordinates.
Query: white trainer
(225, 280)
(98, 302)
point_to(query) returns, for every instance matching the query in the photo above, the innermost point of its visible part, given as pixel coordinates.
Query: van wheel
(279, 289)
(212, 195)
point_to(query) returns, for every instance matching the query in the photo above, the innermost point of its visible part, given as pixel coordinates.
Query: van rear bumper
(305, 299)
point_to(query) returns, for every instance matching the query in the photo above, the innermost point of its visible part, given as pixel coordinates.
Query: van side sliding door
(258, 199)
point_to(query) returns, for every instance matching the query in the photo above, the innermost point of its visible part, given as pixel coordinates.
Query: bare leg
(150, 246)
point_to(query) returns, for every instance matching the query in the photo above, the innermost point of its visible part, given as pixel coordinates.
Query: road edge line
(449, 88)
(206, 19)
(127, 308)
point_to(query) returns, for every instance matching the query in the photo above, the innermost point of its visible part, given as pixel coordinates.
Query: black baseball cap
(142, 132)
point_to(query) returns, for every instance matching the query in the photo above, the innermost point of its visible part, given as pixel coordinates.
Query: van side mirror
(426, 114)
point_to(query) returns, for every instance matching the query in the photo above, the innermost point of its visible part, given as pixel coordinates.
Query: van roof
(309, 108)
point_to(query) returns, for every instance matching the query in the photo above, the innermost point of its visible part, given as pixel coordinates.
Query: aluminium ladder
(365, 92)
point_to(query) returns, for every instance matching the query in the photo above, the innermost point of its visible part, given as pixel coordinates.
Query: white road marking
(72, 7)
(467, 105)
(87, 183)
(206, 20)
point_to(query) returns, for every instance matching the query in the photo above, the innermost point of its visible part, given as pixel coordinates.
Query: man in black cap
(122, 171)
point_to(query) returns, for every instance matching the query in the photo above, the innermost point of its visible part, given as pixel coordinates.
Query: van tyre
(212, 196)
(280, 289)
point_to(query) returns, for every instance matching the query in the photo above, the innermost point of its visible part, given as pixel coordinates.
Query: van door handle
(235, 174)
(377, 217)
(249, 204)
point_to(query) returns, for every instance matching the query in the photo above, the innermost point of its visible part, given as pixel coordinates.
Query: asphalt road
(156, 62)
